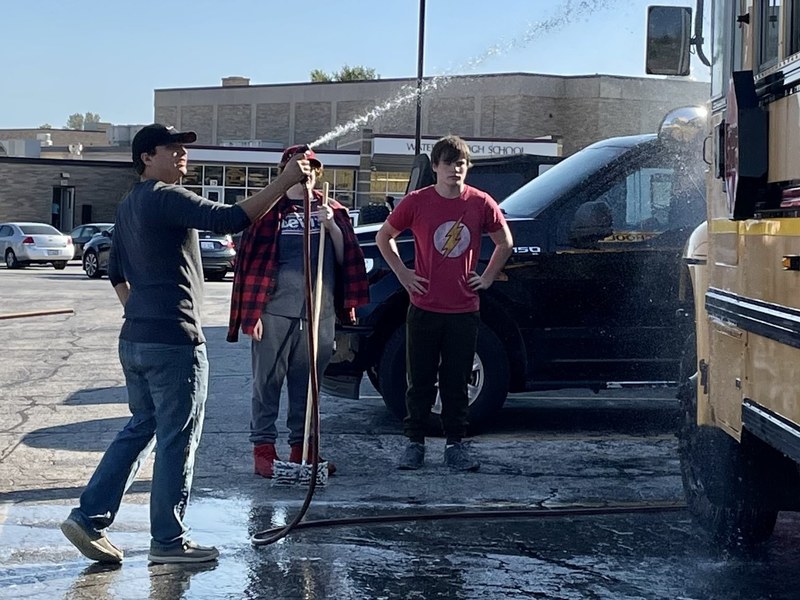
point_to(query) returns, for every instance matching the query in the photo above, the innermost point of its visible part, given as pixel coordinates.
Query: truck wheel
(488, 386)
(724, 480)
(372, 213)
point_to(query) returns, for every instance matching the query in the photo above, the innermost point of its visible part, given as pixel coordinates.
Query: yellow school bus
(739, 442)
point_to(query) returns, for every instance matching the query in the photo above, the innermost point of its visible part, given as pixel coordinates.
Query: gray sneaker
(457, 457)
(413, 458)
(189, 552)
(94, 545)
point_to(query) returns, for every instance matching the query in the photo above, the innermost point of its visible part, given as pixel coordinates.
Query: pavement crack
(564, 564)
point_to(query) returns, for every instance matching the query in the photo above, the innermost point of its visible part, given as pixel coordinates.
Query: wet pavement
(63, 401)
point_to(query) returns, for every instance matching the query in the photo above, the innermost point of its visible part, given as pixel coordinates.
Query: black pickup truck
(595, 294)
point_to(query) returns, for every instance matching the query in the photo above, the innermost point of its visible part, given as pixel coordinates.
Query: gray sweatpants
(282, 354)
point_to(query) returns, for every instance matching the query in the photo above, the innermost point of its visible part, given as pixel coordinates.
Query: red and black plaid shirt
(256, 269)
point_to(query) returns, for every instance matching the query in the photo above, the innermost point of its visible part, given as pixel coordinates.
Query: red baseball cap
(292, 150)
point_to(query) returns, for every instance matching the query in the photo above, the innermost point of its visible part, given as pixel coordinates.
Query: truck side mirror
(668, 40)
(591, 223)
(421, 175)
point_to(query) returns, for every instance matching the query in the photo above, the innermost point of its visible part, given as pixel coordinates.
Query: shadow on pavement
(62, 493)
(74, 436)
(91, 396)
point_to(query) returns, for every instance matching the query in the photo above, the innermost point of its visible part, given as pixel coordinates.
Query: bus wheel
(725, 482)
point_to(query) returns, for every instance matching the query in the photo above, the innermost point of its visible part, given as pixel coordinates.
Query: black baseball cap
(150, 136)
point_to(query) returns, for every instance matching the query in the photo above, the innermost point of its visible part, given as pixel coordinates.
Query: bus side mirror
(669, 33)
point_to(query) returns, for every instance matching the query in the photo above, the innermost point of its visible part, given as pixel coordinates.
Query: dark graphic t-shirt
(288, 299)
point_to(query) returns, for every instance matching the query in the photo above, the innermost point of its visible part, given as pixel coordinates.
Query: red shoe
(296, 456)
(264, 455)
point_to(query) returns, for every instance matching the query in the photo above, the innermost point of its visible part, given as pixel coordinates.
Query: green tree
(75, 121)
(45, 126)
(79, 122)
(346, 73)
(319, 75)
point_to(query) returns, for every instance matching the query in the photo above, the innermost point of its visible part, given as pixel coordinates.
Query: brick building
(84, 190)
(242, 128)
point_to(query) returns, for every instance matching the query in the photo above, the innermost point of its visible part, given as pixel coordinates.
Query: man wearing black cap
(156, 271)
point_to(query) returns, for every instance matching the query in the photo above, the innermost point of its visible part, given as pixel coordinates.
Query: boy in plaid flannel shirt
(268, 304)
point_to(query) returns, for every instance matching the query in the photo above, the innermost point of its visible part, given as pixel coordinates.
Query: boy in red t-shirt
(447, 220)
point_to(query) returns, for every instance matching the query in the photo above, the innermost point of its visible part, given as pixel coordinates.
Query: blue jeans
(167, 389)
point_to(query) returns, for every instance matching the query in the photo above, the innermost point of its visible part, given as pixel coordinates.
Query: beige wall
(59, 137)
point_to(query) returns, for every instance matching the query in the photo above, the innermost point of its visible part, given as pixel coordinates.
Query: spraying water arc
(572, 12)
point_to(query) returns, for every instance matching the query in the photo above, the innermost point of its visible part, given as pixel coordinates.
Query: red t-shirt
(447, 240)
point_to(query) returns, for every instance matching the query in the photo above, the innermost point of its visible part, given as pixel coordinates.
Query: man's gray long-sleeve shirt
(156, 250)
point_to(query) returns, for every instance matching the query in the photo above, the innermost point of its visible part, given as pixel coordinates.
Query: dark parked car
(216, 251)
(83, 233)
(95, 254)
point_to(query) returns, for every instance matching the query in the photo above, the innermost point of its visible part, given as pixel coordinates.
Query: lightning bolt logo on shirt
(451, 238)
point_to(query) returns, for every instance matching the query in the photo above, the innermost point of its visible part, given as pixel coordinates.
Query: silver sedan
(23, 244)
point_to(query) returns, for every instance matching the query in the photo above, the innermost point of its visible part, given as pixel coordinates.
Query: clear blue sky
(61, 57)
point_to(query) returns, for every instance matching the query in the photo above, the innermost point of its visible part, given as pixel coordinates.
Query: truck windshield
(531, 199)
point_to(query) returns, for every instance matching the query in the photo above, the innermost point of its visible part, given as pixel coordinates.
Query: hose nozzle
(302, 149)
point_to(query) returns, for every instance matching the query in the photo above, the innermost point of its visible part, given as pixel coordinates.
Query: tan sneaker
(94, 545)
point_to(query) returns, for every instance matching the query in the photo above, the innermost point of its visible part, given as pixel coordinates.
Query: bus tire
(724, 480)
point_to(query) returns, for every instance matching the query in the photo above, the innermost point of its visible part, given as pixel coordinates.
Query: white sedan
(23, 244)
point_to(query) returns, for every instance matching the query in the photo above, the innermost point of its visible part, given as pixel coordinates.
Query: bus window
(769, 26)
(793, 24)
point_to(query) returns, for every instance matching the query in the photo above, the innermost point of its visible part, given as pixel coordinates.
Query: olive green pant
(439, 346)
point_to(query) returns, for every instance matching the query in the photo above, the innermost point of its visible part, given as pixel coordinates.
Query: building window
(259, 177)
(194, 175)
(234, 195)
(212, 175)
(235, 176)
(241, 181)
(342, 185)
(387, 183)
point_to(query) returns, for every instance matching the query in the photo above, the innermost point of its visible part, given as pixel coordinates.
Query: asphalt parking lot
(63, 401)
